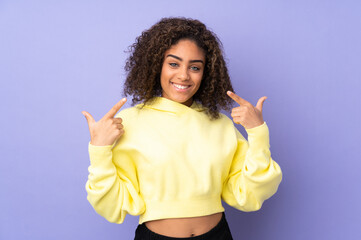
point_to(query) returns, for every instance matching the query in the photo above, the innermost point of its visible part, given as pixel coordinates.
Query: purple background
(58, 58)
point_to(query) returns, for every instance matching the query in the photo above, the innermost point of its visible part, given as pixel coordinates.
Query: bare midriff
(184, 227)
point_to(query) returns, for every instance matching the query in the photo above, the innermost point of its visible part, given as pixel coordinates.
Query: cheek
(199, 78)
(165, 75)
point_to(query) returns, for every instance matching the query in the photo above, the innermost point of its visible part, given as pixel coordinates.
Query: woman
(173, 157)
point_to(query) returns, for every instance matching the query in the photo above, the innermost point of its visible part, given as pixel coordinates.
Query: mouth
(180, 86)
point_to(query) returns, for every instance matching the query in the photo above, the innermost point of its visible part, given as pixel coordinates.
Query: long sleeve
(253, 176)
(112, 186)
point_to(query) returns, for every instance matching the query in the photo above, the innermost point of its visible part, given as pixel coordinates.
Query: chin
(180, 99)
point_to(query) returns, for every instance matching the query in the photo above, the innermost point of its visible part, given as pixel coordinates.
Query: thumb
(260, 102)
(88, 117)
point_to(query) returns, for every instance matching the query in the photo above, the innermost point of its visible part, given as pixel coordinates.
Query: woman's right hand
(108, 129)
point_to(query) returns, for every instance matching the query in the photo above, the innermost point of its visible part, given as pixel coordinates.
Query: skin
(184, 65)
(246, 114)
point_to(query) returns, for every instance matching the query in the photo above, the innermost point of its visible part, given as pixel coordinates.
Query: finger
(260, 102)
(117, 120)
(237, 120)
(115, 108)
(240, 109)
(88, 117)
(122, 131)
(237, 98)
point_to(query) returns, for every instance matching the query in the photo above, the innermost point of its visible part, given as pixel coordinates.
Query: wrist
(99, 144)
(255, 126)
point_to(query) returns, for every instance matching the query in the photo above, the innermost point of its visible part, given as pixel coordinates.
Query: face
(182, 72)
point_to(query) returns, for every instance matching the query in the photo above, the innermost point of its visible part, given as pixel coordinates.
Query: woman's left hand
(246, 114)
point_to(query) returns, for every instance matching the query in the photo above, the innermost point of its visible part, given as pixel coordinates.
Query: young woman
(172, 157)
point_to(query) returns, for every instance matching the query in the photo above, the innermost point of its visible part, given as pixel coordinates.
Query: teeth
(180, 86)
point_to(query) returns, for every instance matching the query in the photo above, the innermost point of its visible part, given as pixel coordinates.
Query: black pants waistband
(220, 232)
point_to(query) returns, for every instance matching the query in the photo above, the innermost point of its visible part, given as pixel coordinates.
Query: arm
(254, 176)
(113, 190)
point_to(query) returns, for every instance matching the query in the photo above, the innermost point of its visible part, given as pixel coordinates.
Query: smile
(180, 86)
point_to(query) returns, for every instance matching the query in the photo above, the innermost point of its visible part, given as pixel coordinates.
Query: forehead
(186, 49)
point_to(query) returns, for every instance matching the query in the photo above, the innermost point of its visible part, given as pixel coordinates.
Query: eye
(194, 68)
(173, 64)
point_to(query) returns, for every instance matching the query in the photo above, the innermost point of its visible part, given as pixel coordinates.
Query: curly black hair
(144, 65)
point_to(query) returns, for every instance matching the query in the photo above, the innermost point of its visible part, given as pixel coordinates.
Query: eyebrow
(180, 59)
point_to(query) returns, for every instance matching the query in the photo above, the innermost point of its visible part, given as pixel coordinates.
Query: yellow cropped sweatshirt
(174, 162)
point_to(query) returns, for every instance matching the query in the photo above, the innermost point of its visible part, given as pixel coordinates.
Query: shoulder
(223, 123)
(230, 127)
(128, 113)
(225, 119)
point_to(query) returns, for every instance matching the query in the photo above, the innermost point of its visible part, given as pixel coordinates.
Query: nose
(183, 74)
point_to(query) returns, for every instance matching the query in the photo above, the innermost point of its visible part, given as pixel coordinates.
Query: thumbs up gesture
(246, 114)
(108, 129)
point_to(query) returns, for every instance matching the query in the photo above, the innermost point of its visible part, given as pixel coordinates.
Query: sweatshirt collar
(167, 105)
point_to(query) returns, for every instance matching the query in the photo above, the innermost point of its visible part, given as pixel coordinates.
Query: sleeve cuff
(99, 153)
(258, 137)
(100, 148)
